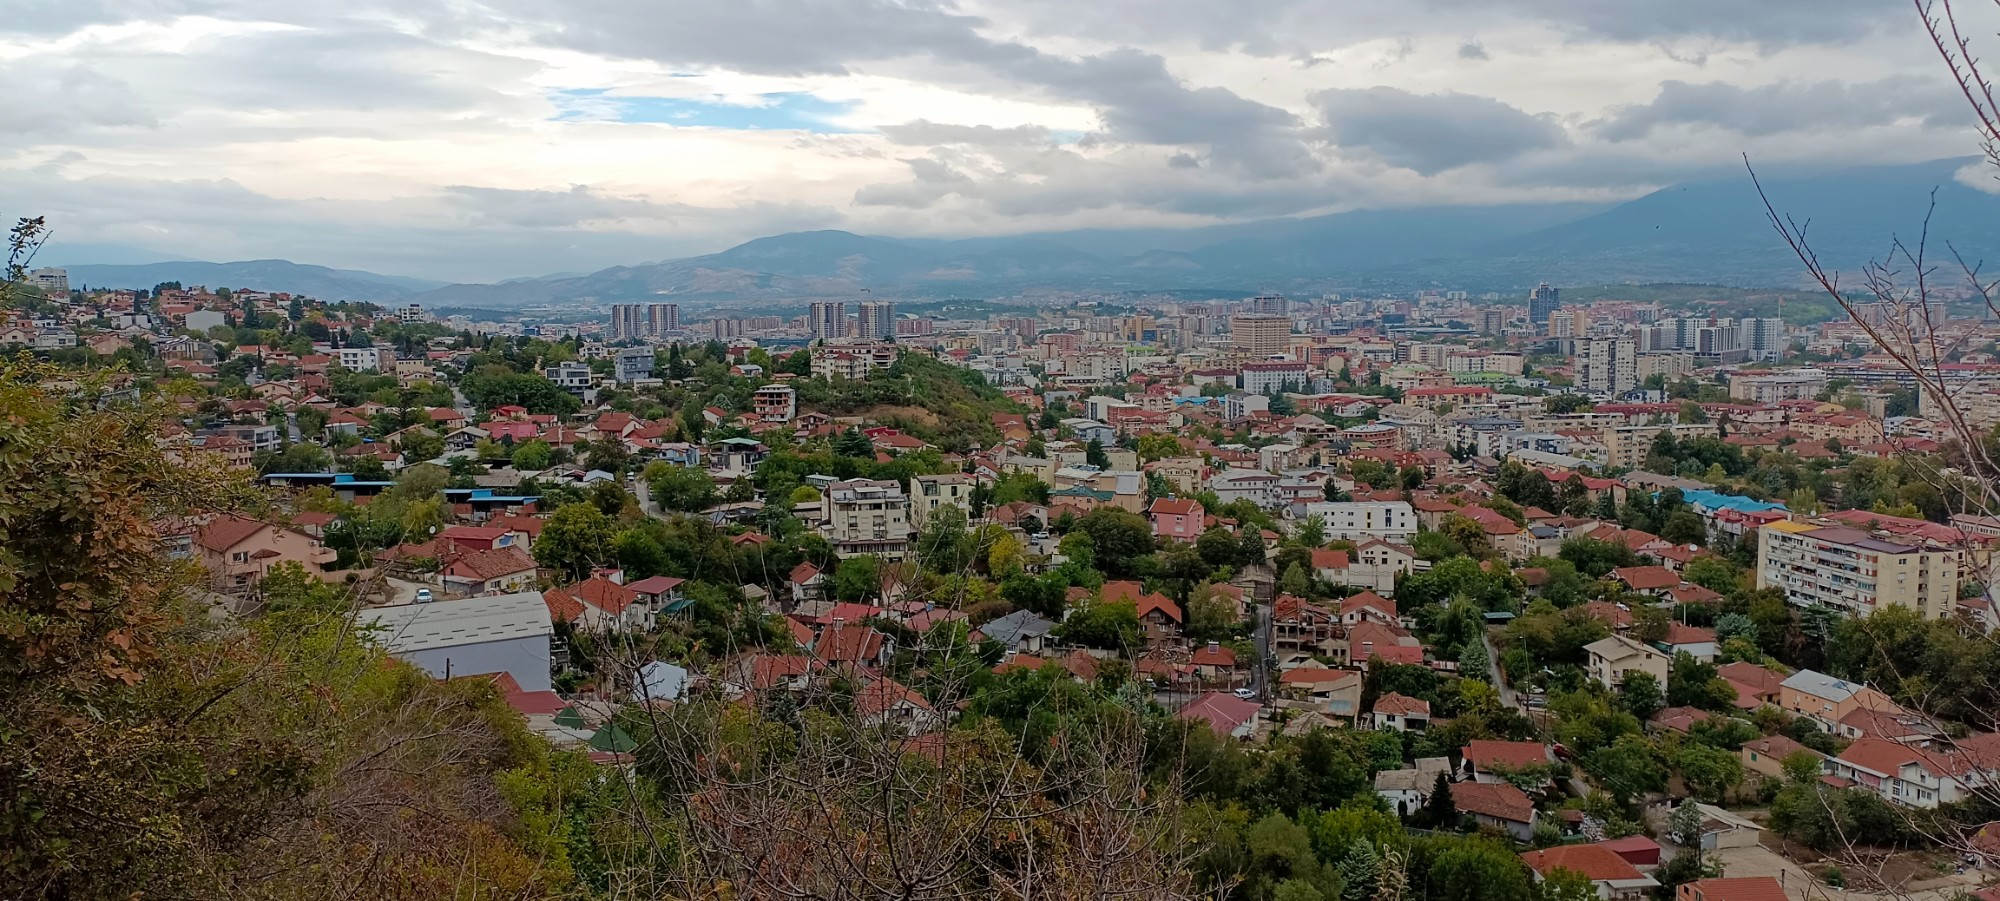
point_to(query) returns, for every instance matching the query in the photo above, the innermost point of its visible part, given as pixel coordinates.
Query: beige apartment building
(1252, 335)
(928, 494)
(1856, 572)
(1626, 447)
(868, 516)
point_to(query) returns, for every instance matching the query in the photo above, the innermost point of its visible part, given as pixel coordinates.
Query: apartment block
(1856, 572)
(868, 516)
(1626, 447)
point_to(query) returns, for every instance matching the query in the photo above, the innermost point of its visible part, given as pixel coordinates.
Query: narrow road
(1260, 674)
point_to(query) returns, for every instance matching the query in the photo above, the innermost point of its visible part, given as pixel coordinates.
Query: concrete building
(1252, 335)
(53, 282)
(1611, 658)
(570, 376)
(1270, 378)
(1542, 303)
(827, 319)
(1625, 447)
(868, 516)
(1608, 365)
(776, 404)
(876, 319)
(506, 633)
(628, 321)
(1855, 572)
(631, 364)
(366, 359)
(662, 318)
(1772, 387)
(1393, 521)
(928, 494)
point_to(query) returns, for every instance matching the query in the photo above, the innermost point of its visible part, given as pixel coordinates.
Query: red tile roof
(1647, 578)
(488, 565)
(1485, 754)
(1402, 705)
(1160, 602)
(1740, 888)
(1593, 862)
(1222, 711)
(604, 594)
(225, 532)
(1498, 800)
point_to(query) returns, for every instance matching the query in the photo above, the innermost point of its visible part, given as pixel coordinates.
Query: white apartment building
(868, 516)
(1772, 387)
(366, 359)
(1626, 447)
(1393, 521)
(1855, 572)
(930, 493)
(1270, 378)
(852, 360)
(570, 376)
(1608, 365)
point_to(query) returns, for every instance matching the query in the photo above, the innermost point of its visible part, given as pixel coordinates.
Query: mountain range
(1707, 231)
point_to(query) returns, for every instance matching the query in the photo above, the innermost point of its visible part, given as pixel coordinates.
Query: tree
(1094, 455)
(575, 539)
(688, 489)
(1692, 683)
(1564, 404)
(1597, 559)
(858, 579)
(1629, 767)
(1311, 532)
(1684, 527)
(1565, 885)
(1439, 811)
(1710, 772)
(1295, 582)
(1120, 539)
(1210, 616)
(1112, 625)
(533, 455)
(1713, 573)
(1640, 693)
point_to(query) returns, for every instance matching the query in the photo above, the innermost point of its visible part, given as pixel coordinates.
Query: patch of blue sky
(770, 112)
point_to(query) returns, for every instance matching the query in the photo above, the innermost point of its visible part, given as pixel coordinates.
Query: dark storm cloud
(1432, 133)
(1784, 107)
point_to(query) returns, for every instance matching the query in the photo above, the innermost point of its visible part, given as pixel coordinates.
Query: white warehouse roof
(446, 624)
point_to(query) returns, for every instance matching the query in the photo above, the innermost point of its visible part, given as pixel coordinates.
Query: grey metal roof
(446, 624)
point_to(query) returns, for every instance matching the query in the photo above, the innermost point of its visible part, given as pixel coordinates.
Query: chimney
(837, 622)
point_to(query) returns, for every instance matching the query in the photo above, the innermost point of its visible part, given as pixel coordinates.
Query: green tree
(1640, 693)
(858, 579)
(1631, 766)
(534, 455)
(688, 489)
(1112, 625)
(1121, 539)
(575, 539)
(1709, 772)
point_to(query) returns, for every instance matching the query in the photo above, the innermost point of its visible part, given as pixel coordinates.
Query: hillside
(1709, 231)
(263, 275)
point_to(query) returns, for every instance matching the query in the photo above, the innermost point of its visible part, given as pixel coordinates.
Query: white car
(424, 596)
(1245, 693)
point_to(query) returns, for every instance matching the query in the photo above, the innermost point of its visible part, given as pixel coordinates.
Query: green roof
(612, 738)
(568, 717)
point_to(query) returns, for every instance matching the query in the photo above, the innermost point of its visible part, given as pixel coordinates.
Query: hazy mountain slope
(263, 275)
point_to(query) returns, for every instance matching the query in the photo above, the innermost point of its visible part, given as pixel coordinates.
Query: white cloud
(427, 138)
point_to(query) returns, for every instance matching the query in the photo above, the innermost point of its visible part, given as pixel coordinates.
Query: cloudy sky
(487, 139)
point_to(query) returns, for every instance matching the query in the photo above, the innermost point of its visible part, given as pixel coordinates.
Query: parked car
(424, 596)
(1245, 693)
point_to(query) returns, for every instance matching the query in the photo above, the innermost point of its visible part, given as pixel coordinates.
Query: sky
(479, 140)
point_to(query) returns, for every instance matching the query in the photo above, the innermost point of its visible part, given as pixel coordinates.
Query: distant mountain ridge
(1709, 231)
(260, 275)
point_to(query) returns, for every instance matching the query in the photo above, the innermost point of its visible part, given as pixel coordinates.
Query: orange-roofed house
(1217, 665)
(1615, 877)
(1401, 713)
(1487, 759)
(1498, 805)
(599, 604)
(497, 571)
(1160, 619)
(1180, 519)
(238, 552)
(1739, 888)
(886, 702)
